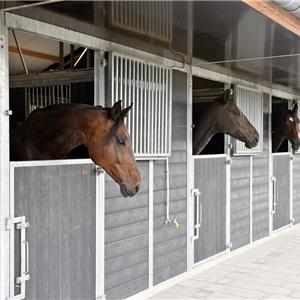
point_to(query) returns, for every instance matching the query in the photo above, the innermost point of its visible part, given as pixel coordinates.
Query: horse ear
(295, 108)
(228, 95)
(124, 112)
(115, 110)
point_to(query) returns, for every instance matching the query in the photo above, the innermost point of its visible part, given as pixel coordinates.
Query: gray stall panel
(126, 238)
(260, 183)
(210, 179)
(296, 188)
(240, 202)
(59, 203)
(281, 171)
(169, 249)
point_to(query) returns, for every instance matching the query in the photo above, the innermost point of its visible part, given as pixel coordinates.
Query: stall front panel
(209, 206)
(55, 256)
(281, 190)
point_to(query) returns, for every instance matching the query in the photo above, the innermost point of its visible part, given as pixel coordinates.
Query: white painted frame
(4, 158)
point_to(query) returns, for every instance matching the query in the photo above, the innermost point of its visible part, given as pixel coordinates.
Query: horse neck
(277, 136)
(206, 128)
(60, 139)
(277, 140)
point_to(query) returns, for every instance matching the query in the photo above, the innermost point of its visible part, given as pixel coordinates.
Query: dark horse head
(52, 132)
(286, 126)
(224, 116)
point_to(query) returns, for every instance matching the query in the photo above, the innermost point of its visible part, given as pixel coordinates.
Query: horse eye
(121, 142)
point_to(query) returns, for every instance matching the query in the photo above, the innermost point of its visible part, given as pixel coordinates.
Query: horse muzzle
(127, 190)
(296, 145)
(252, 143)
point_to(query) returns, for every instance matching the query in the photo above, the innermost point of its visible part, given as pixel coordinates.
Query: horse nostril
(137, 188)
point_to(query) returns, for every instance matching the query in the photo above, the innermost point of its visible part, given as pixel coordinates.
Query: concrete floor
(270, 270)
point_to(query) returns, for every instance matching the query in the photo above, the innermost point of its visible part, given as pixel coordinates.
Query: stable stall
(171, 61)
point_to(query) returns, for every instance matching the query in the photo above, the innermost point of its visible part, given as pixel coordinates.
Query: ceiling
(226, 33)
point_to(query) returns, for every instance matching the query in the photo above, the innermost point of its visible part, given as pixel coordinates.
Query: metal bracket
(99, 170)
(102, 297)
(8, 112)
(22, 225)
(22, 278)
(229, 246)
(228, 161)
(103, 62)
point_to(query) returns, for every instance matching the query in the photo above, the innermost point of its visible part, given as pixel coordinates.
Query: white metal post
(291, 189)
(150, 223)
(251, 198)
(99, 99)
(190, 174)
(270, 165)
(4, 159)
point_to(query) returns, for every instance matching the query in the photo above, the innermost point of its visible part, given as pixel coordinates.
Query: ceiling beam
(277, 14)
(35, 54)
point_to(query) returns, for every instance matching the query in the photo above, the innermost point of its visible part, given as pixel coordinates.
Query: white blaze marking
(291, 119)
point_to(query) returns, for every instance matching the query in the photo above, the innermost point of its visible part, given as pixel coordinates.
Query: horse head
(232, 121)
(110, 147)
(287, 125)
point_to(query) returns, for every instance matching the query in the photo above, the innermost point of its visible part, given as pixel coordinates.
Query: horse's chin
(295, 147)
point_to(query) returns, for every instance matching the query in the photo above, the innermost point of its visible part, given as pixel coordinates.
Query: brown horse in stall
(52, 132)
(286, 126)
(223, 115)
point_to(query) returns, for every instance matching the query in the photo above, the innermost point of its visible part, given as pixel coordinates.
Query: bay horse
(52, 132)
(286, 126)
(223, 115)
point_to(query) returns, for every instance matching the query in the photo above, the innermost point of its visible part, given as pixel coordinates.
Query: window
(153, 19)
(148, 87)
(250, 103)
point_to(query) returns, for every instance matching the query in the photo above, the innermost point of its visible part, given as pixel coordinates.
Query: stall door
(209, 206)
(54, 232)
(281, 190)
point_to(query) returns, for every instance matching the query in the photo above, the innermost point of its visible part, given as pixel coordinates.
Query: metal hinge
(11, 221)
(228, 161)
(22, 278)
(103, 62)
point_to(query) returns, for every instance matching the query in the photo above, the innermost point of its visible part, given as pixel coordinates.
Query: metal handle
(26, 257)
(201, 214)
(198, 222)
(19, 223)
(274, 181)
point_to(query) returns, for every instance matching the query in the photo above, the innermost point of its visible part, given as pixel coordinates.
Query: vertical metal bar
(151, 189)
(154, 140)
(117, 80)
(121, 79)
(135, 117)
(251, 198)
(159, 110)
(138, 114)
(144, 104)
(132, 99)
(152, 108)
(163, 127)
(167, 110)
(129, 100)
(148, 97)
